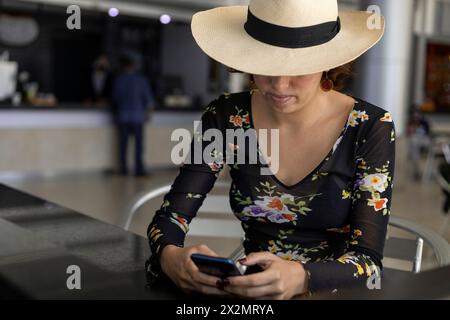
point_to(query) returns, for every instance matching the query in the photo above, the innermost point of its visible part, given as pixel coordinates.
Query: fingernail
(226, 282)
(242, 260)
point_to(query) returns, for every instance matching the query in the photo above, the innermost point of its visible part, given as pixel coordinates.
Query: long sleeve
(195, 179)
(371, 201)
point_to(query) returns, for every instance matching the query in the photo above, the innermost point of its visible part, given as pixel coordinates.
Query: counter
(40, 240)
(77, 140)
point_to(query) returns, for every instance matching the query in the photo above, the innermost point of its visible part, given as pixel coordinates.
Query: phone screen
(217, 266)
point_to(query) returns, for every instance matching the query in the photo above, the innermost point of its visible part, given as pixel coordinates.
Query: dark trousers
(125, 131)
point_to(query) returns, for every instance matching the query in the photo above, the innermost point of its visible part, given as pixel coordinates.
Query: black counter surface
(40, 240)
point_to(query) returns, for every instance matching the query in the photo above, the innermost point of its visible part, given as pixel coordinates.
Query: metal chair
(395, 248)
(214, 205)
(439, 147)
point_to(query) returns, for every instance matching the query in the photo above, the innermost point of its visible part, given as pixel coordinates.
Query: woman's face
(288, 94)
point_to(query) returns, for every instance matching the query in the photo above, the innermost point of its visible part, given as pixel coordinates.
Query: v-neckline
(327, 157)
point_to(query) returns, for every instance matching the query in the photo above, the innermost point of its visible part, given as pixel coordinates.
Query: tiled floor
(105, 197)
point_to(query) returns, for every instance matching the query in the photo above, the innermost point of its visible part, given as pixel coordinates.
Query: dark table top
(40, 240)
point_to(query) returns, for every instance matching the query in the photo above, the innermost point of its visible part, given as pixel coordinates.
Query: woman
(320, 222)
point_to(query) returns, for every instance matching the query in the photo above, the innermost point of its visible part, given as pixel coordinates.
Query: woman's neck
(307, 113)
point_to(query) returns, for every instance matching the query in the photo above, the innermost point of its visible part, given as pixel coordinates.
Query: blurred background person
(132, 99)
(418, 132)
(98, 89)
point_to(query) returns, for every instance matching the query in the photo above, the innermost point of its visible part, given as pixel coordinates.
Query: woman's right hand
(177, 264)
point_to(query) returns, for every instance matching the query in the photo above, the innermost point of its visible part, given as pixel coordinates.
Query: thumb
(261, 258)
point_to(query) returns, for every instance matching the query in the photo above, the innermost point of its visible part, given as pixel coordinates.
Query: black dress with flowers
(334, 221)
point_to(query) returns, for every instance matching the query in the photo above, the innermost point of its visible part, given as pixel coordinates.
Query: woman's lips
(279, 99)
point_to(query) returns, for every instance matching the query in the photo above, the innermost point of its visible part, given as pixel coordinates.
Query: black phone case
(220, 268)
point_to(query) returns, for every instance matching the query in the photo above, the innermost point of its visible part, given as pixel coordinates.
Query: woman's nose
(280, 83)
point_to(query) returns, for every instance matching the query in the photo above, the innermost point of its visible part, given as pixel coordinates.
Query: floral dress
(333, 221)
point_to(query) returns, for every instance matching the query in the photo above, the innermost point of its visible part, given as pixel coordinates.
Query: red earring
(327, 84)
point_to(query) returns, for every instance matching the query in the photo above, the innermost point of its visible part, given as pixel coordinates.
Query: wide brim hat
(286, 37)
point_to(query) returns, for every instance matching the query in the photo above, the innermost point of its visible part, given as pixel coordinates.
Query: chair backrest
(403, 249)
(213, 224)
(214, 218)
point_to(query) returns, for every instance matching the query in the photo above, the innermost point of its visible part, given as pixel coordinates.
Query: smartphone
(218, 266)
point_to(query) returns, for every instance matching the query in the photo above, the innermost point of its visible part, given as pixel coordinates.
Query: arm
(371, 201)
(170, 224)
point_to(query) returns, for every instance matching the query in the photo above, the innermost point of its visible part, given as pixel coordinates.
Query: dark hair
(339, 75)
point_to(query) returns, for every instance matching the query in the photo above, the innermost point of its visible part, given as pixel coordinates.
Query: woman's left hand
(281, 279)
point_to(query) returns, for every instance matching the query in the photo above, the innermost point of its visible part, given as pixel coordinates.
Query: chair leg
(418, 258)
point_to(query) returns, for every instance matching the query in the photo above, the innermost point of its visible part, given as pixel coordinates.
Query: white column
(237, 82)
(386, 67)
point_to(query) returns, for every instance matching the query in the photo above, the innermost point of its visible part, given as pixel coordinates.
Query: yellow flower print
(154, 234)
(356, 115)
(368, 271)
(360, 269)
(356, 233)
(288, 256)
(363, 116)
(343, 259)
(352, 119)
(387, 117)
(346, 194)
(362, 164)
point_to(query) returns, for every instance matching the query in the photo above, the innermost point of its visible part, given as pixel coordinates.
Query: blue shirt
(132, 96)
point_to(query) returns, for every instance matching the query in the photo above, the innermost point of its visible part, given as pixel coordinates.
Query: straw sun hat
(285, 37)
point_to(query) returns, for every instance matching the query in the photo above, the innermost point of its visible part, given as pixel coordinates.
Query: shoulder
(366, 115)
(227, 101)
(371, 122)
(228, 106)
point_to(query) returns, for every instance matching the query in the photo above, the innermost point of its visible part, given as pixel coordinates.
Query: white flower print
(376, 182)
